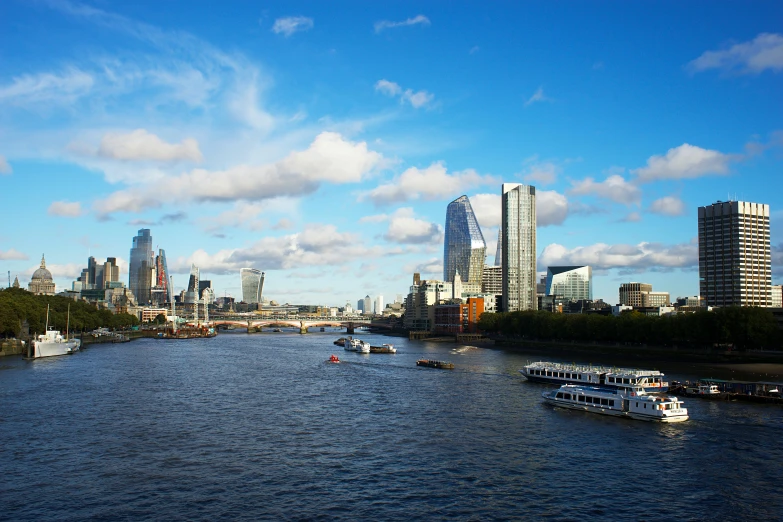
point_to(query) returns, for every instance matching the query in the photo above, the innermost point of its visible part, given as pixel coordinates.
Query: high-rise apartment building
(464, 248)
(252, 284)
(518, 225)
(777, 296)
(492, 280)
(141, 266)
(572, 283)
(735, 263)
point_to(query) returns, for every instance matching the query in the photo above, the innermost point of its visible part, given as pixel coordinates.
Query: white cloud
(5, 168)
(541, 173)
(140, 145)
(405, 228)
(538, 96)
(487, 208)
(330, 158)
(685, 161)
(12, 254)
(292, 24)
(417, 99)
(434, 182)
(604, 256)
(551, 208)
(614, 188)
(668, 206)
(430, 269)
(632, 217)
(59, 88)
(65, 209)
(753, 57)
(388, 88)
(386, 24)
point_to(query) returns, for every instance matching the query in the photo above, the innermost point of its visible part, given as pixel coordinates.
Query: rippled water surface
(260, 427)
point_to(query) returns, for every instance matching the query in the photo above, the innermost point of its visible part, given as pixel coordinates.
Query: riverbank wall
(12, 347)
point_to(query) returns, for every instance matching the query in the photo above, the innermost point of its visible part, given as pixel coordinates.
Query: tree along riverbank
(730, 328)
(18, 306)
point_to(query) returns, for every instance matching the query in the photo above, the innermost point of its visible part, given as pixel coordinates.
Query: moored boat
(429, 363)
(705, 391)
(52, 343)
(633, 403)
(356, 345)
(384, 348)
(652, 381)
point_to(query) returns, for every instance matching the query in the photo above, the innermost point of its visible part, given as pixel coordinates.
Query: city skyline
(322, 145)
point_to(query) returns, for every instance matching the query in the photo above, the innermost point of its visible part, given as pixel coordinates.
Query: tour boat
(333, 359)
(633, 403)
(52, 342)
(384, 348)
(355, 345)
(560, 373)
(705, 391)
(429, 363)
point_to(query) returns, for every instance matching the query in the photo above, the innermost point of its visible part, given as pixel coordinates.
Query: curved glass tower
(464, 248)
(252, 284)
(142, 262)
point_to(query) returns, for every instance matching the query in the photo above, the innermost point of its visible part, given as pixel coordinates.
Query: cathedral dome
(42, 274)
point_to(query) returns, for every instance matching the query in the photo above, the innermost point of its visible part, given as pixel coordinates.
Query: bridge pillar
(350, 328)
(253, 329)
(302, 327)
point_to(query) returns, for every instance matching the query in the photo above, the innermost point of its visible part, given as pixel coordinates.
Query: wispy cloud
(416, 20)
(5, 167)
(417, 99)
(141, 145)
(50, 87)
(614, 188)
(65, 209)
(760, 54)
(292, 24)
(668, 206)
(12, 255)
(538, 96)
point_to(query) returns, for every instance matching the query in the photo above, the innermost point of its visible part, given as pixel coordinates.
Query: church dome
(42, 274)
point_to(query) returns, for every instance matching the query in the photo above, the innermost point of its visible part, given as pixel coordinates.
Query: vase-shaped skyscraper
(518, 225)
(142, 264)
(252, 285)
(464, 248)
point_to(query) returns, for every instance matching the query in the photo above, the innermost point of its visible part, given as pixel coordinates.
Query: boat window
(589, 399)
(645, 406)
(611, 403)
(567, 396)
(581, 398)
(637, 404)
(605, 402)
(559, 395)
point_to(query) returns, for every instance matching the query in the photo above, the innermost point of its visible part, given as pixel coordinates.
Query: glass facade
(573, 283)
(252, 284)
(162, 276)
(499, 250)
(192, 295)
(464, 249)
(518, 225)
(141, 266)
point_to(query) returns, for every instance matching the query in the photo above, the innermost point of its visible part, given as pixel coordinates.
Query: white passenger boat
(633, 403)
(587, 375)
(52, 342)
(355, 345)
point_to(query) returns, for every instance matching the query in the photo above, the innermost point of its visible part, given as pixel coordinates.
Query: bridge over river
(304, 324)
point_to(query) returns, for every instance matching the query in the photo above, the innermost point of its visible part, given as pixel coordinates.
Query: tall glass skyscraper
(252, 284)
(464, 248)
(518, 225)
(162, 276)
(191, 294)
(142, 260)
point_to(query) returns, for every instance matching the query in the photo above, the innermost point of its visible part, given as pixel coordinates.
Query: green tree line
(17, 305)
(743, 327)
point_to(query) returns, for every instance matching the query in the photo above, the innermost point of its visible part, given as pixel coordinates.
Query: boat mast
(68, 321)
(47, 318)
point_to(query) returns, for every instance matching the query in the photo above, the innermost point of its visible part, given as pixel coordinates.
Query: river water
(260, 427)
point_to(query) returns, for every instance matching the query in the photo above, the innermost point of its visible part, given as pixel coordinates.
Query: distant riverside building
(492, 280)
(777, 296)
(42, 282)
(141, 266)
(163, 278)
(457, 318)
(518, 225)
(252, 284)
(639, 295)
(464, 249)
(421, 301)
(192, 294)
(688, 302)
(735, 263)
(367, 305)
(573, 283)
(378, 305)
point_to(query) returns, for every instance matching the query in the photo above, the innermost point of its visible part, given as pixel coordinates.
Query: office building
(572, 283)
(777, 296)
(464, 249)
(162, 277)
(141, 266)
(367, 305)
(252, 284)
(378, 305)
(192, 294)
(735, 263)
(518, 225)
(641, 295)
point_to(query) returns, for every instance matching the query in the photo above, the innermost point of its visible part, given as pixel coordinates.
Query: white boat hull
(55, 348)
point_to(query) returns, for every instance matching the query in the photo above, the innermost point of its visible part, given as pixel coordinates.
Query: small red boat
(333, 359)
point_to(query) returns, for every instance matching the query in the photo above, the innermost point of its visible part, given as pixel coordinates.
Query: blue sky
(322, 141)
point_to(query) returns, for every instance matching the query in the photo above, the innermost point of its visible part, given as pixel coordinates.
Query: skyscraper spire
(499, 251)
